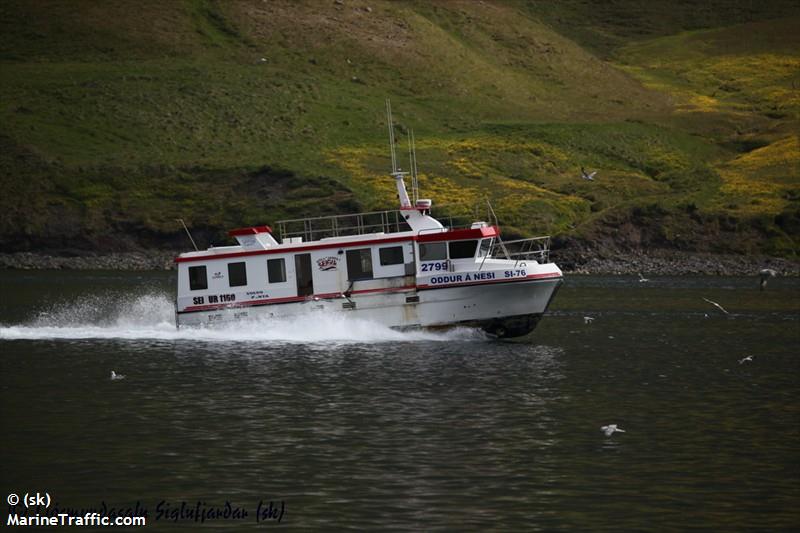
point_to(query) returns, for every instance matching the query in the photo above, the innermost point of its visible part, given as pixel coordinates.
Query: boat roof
(478, 231)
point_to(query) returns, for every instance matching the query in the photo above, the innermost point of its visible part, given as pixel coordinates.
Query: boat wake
(152, 316)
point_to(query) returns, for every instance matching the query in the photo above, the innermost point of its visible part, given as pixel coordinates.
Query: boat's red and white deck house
(400, 268)
(413, 272)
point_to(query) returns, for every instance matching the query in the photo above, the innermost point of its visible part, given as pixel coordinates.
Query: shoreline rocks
(151, 260)
(651, 263)
(670, 263)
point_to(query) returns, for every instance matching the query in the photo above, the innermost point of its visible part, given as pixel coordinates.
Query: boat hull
(509, 309)
(509, 327)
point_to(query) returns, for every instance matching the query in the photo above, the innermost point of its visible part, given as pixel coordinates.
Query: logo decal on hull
(327, 263)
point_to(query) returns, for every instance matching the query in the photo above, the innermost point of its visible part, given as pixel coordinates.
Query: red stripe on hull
(495, 281)
(290, 299)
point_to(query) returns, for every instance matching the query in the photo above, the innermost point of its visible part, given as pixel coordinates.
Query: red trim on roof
(453, 235)
(249, 231)
(459, 234)
(276, 250)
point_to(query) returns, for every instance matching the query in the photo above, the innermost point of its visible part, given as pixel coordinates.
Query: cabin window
(198, 280)
(359, 264)
(486, 247)
(276, 270)
(462, 249)
(391, 256)
(237, 274)
(433, 251)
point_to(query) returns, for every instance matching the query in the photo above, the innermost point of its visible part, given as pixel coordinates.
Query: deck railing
(533, 249)
(316, 228)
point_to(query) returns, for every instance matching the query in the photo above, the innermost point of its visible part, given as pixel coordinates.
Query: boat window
(463, 249)
(237, 274)
(198, 280)
(391, 256)
(276, 270)
(486, 247)
(433, 251)
(359, 264)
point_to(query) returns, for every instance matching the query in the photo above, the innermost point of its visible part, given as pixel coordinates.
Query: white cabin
(400, 268)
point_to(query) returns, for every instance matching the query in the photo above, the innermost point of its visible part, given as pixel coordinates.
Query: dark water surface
(354, 426)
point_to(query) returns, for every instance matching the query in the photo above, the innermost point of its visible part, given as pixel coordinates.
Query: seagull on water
(715, 304)
(764, 274)
(586, 176)
(611, 429)
(748, 359)
(116, 377)
(642, 279)
(588, 319)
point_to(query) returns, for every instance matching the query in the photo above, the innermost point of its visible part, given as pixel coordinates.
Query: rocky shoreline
(651, 263)
(151, 260)
(670, 263)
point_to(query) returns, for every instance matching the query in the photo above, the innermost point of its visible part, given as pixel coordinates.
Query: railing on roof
(533, 249)
(316, 228)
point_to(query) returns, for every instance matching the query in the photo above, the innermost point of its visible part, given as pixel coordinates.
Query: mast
(416, 215)
(412, 161)
(405, 202)
(391, 136)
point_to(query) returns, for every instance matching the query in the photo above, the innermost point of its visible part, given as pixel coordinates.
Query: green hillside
(118, 117)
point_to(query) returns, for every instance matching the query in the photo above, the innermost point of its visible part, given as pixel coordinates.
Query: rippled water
(355, 426)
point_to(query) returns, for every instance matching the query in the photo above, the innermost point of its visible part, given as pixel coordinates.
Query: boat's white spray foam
(152, 316)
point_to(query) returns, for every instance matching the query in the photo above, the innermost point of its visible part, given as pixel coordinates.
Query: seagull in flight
(764, 274)
(116, 377)
(642, 279)
(748, 359)
(715, 304)
(588, 319)
(611, 429)
(586, 176)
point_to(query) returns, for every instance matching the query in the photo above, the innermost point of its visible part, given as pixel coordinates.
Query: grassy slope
(119, 117)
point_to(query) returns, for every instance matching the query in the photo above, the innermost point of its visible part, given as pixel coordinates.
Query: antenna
(416, 180)
(402, 194)
(412, 156)
(187, 233)
(391, 135)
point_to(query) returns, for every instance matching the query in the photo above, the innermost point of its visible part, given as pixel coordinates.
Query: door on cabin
(302, 269)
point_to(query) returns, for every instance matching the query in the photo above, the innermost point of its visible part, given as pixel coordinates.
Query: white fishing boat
(401, 268)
